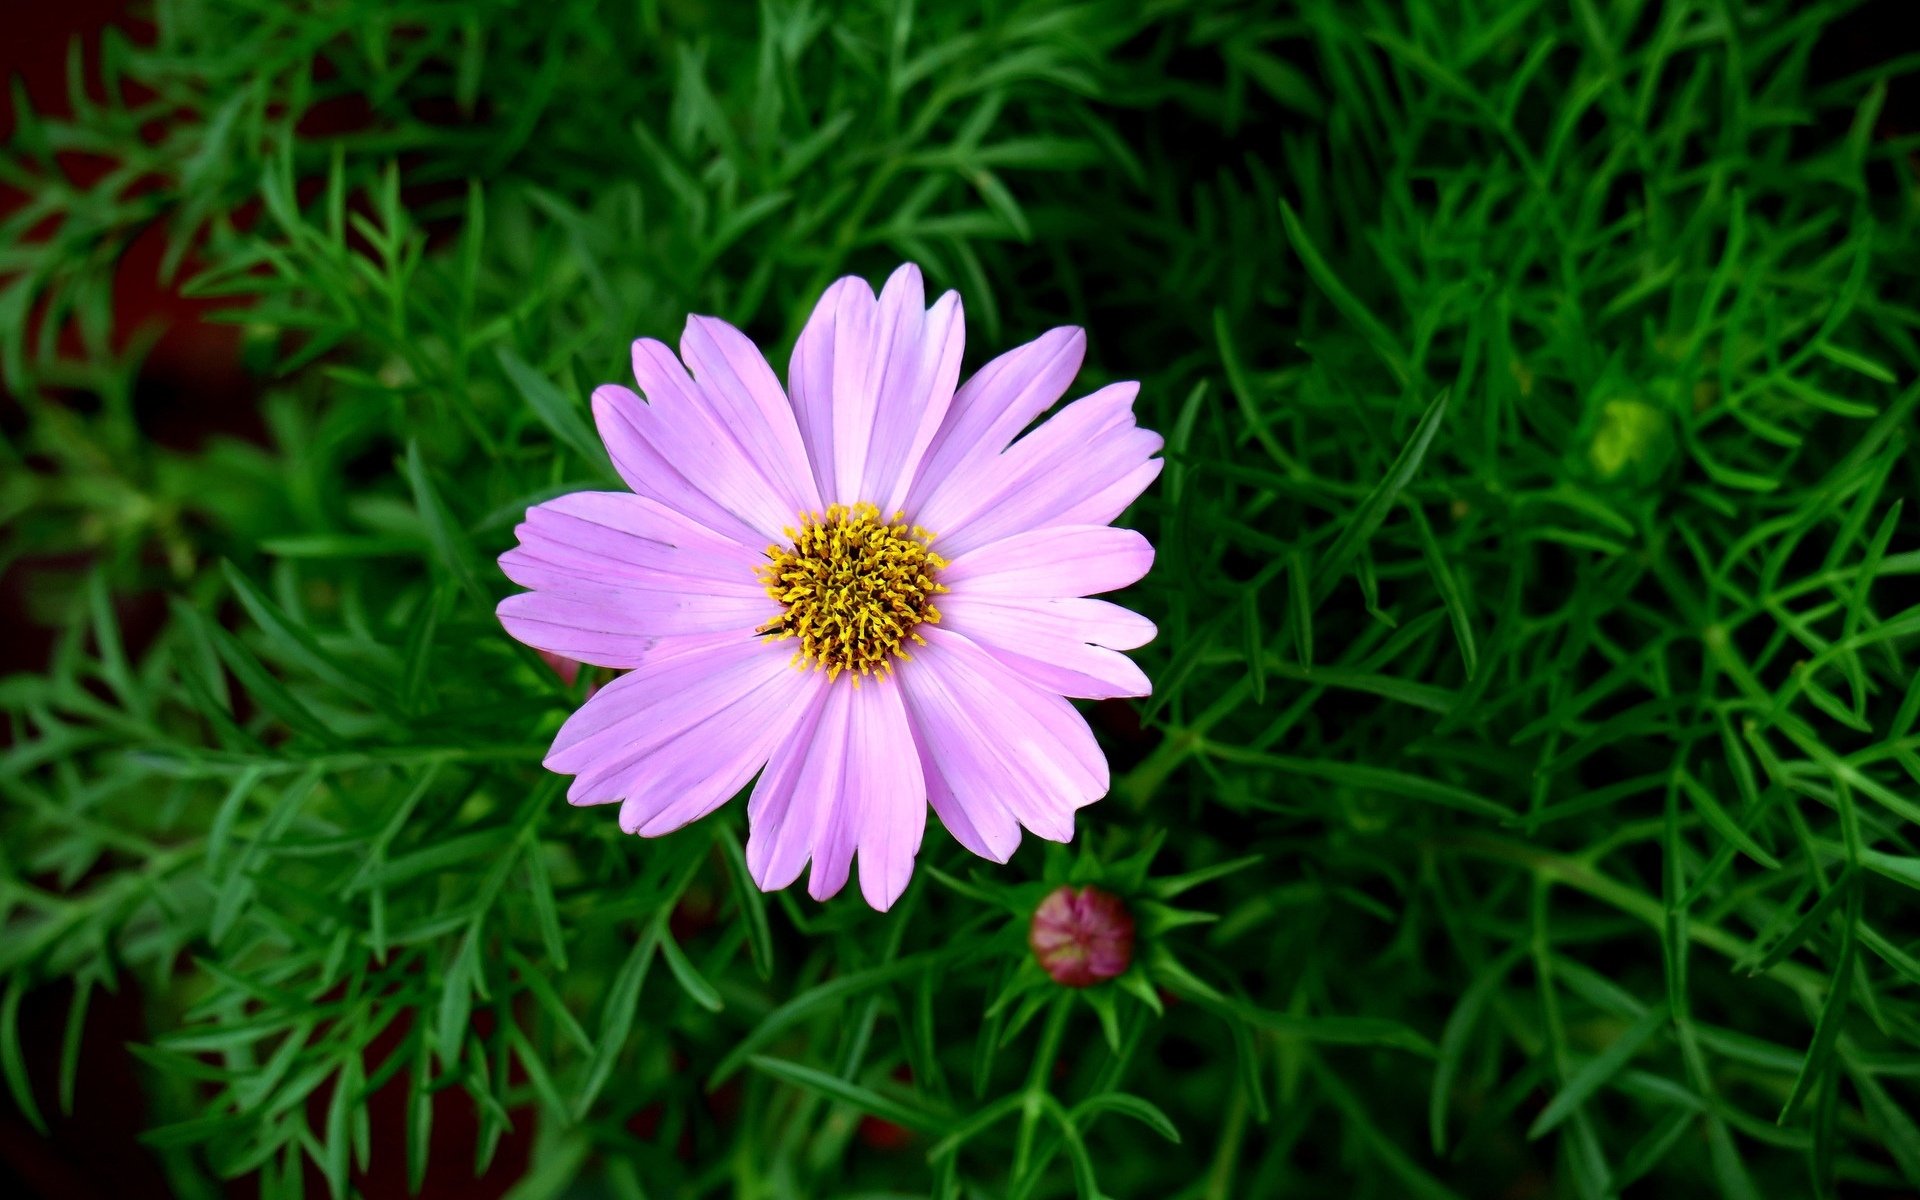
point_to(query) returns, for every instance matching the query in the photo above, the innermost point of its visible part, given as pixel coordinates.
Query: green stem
(1043, 1059)
(1227, 1157)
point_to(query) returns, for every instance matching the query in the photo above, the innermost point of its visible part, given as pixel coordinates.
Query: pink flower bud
(566, 668)
(1081, 936)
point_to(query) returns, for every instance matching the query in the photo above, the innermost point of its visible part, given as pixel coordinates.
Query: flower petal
(1047, 643)
(1062, 560)
(999, 745)
(718, 434)
(846, 780)
(913, 363)
(983, 825)
(684, 731)
(707, 764)
(988, 412)
(887, 791)
(810, 377)
(871, 381)
(613, 572)
(644, 447)
(793, 808)
(1083, 466)
(747, 402)
(605, 628)
(1101, 623)
(603, 537)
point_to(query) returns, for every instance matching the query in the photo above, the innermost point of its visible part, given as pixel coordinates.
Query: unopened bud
(1081, 936)
(566, 668)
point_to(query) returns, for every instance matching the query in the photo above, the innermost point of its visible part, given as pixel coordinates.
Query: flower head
(868, 590)
(1081, 936)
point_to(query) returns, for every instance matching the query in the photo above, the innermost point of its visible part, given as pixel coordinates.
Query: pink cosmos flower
(864, 585)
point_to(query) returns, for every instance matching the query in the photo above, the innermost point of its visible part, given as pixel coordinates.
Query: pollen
(853, 587)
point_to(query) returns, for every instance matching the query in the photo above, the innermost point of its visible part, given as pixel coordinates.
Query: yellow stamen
(853, 587)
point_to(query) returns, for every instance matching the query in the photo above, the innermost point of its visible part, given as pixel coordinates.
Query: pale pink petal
(986, 827)
(891, 394)
(678, 737)
(871, 381)
(1100, 622)
(885, 790)
(715, 435)
(1082, 466)
(746, 400)
(606, 629)
(612, 537)
(860, 337)
(1063, 560)
(645, 449)
(1046, 642)
(846, 780)
(997, 742)
(795, 808)
(697, 672)
(988, 412)
(810, 377)
(712, 759)
(613, 572)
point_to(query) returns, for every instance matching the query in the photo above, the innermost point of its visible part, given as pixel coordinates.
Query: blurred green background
(1527, 802)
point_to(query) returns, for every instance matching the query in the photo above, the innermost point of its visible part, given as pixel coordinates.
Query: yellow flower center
(853, 587)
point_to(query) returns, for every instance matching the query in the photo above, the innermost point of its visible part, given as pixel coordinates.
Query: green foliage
(1525, 805)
